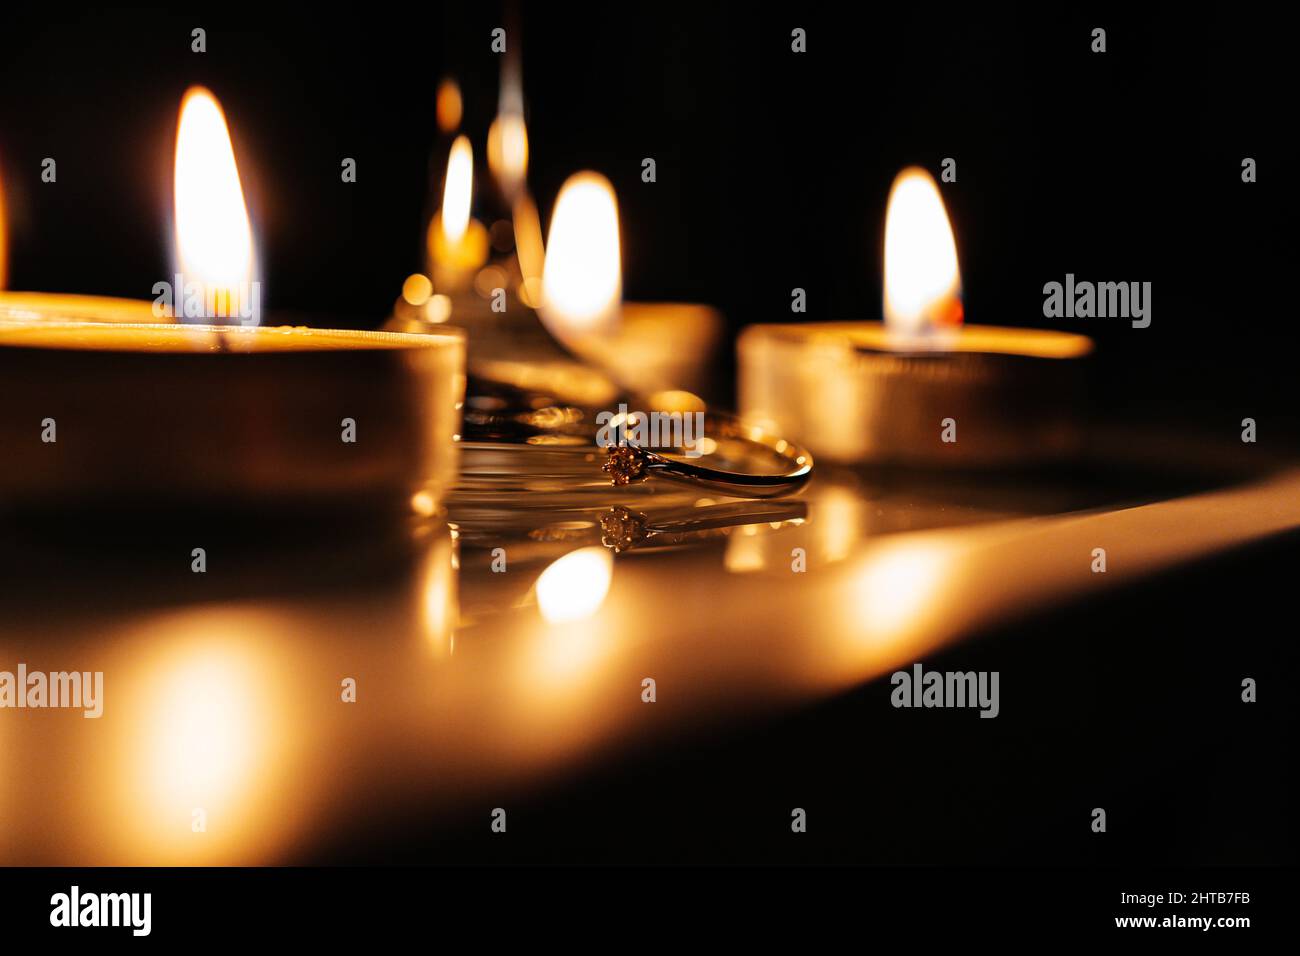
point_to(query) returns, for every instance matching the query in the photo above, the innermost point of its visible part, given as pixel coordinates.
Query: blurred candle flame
(438, 600)
(508, 134)
(458, 190)
(922, 278)
(582, 279)
(207, 720)
(508, 151)
(572, 588)
(899, 586)
(449, 106)
(205, 730)
(214, 240)
(457, 243)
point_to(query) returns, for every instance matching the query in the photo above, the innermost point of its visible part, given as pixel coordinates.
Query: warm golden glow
(529, 250)
(214, 241)
(922, 278)
(417, 288)
(573, 587)
(898, 587)
(450, 106)
(437, 309)
(745, 551)
(205, 731)
(206, 737)
(457, 243)
(582, 279)
(676, 400)
(508, 151)
(489, 279)
(458, 190)
(839, 518)
(436, 593)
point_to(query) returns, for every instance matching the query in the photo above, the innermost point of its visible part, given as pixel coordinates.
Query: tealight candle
(921, 389)
(472, 266)
(227, 417)
(645, 346)
(100, 407)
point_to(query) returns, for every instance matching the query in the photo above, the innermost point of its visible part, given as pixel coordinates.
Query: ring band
(626, 464)
(499, 419)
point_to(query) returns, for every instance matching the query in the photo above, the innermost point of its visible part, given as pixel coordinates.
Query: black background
(773, 167)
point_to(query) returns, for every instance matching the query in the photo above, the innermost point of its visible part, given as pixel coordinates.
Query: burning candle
(214, 239)
(214, 275)
(458, 243)
(99, 411)
(646, 347)
(508, 135)
(582, 280)
(575, 283)
(508, 152)
(921, 389)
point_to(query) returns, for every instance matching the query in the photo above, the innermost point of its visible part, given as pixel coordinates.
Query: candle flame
(582, 278)
(508, 151)
(922, 278)
(458, 190)
(214, 240)
(573, 587)
(449, 106)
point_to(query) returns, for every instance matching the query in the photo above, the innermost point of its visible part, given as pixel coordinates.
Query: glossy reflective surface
(497, 649)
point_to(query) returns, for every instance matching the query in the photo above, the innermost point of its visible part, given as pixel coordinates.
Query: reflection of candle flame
(582, 280)
(922, 278)
(458, 190)
(439, 607)
(206, 725)
(570, 592)
(207, 721)
(214, 241)
(573, 587)
(898, 584)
